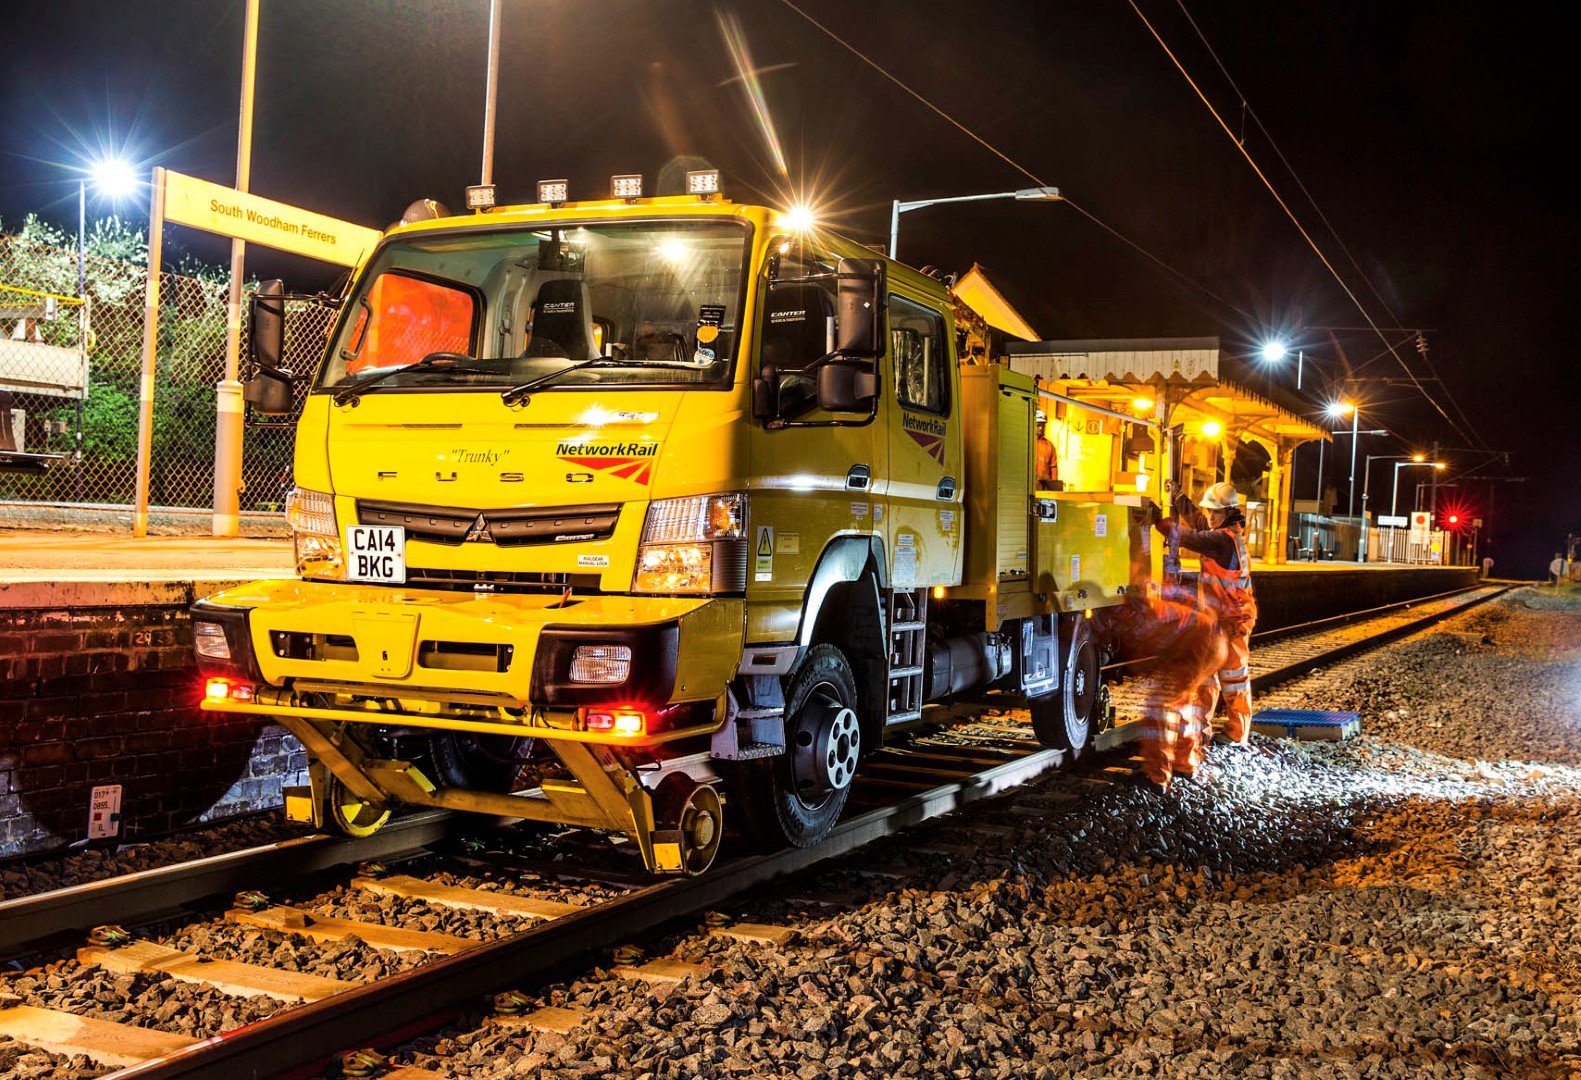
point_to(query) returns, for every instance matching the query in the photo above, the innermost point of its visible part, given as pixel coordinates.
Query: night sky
(1420, 145)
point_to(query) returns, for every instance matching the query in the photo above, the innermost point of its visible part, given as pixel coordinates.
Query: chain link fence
(70, 372)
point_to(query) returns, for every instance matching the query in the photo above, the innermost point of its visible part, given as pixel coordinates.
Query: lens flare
(752, 87)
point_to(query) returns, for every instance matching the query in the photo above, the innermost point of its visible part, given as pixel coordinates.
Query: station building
(1214, 428)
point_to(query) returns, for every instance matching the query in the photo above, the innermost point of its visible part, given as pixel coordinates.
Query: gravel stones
(1399, 905)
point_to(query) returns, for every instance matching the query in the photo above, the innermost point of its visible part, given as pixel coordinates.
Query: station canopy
(1184, 372)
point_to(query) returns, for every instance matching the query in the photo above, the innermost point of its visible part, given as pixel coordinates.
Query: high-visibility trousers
(1232, 682)
(1190, 649)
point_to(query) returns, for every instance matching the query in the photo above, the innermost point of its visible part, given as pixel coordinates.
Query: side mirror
(267, 338)
(766, 395)
(860, 308)
(269, 392)
(846, 386)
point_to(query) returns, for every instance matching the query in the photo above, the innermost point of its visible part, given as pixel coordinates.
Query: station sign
(1387, 521)
(218, 209)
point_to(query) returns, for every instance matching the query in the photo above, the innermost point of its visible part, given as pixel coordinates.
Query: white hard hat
(1221, 496)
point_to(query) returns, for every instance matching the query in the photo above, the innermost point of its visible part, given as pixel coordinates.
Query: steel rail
(33, 923)
(1345, 618)
(1317, 626)
(303, 1039)
(1266, 679)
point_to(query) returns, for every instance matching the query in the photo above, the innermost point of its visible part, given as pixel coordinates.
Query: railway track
(539, 907)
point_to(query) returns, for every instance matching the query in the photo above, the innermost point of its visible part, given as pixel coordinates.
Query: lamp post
(1366, 483)
(1338, 409)
(114, 178)
(1275, 351)
(1416, 459)
(896, 208)
(111, 177)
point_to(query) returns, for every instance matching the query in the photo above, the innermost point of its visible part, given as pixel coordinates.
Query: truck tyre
(471, 762)
(1063, 720)
(796, 798)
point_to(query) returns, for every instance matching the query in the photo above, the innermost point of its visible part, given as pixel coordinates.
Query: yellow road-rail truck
(617, 513)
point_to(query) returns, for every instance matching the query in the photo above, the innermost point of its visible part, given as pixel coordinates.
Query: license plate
(376, 553)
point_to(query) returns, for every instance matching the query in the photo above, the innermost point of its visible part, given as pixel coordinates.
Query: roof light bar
(626, 186)
(553, 192)
(480, 197)
(702, 182)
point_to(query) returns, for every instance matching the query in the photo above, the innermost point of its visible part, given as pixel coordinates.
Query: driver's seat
(562, 321)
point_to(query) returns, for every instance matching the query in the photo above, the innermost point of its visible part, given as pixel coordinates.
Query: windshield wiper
(518, 394)
(434, 359)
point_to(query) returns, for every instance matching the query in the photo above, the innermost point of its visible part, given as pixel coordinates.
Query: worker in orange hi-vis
(1184, 640)
(1224, 587)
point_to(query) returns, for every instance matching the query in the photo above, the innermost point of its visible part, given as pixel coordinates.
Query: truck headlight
(311, 515)
(694, 545)
(208, 639)
(609, 664)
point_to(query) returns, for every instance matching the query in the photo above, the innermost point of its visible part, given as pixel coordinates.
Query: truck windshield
(655, 302)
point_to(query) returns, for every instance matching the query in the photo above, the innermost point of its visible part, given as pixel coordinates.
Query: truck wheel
(350, 814)
(808, 784)
(1063, 720)
(472, 762)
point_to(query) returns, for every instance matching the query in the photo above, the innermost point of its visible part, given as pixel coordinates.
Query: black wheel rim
(1083, 692)
(827, 744)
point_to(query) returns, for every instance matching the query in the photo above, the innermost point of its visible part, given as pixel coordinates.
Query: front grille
(504, 581)
(515, 527)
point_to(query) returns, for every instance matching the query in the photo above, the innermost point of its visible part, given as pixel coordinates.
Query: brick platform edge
(1289, 596)
(97, 686)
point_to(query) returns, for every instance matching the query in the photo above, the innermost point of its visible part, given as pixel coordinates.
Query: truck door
(922, 488)
(813, 471)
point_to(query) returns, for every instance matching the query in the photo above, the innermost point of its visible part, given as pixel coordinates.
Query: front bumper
(510, 651)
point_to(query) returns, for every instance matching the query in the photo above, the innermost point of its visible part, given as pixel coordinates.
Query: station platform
(61, 569)
(41, 568)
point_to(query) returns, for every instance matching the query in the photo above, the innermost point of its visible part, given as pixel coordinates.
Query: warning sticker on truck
(763, 563)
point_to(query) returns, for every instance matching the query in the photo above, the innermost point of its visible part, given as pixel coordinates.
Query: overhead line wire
(1248, 110)
(1294, 220)
(1002, 156)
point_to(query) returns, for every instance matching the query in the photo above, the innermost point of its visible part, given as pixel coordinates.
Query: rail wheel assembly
(352, 814)
(692, 817)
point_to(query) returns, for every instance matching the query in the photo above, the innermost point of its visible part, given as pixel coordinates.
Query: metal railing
(71, 369)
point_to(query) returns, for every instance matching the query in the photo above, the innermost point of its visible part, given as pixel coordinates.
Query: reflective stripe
(1232, 673)
(1229, 592)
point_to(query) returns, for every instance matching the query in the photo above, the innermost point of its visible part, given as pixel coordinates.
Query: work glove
(1184, 507)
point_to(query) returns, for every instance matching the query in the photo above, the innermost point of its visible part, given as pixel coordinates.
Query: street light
(1416, 459)
(111, 177)
(1275, 351)
(896, 208)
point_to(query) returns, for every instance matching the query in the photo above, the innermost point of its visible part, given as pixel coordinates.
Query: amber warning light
(618, 721)
(227, 690)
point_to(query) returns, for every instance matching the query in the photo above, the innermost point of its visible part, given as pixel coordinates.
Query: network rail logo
(627, 460)
(928, 434)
